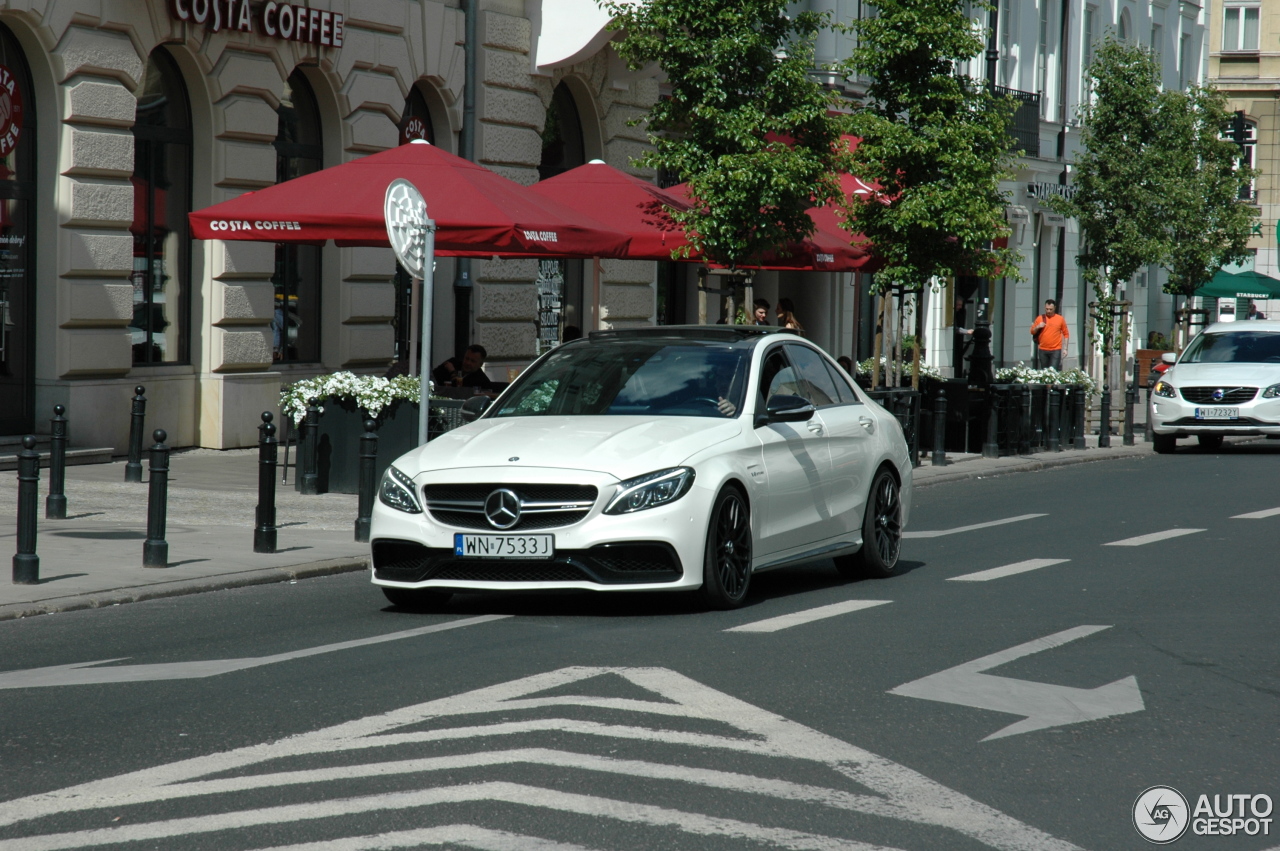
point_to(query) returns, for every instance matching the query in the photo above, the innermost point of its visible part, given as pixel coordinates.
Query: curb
(182, 587)
(1033, 464)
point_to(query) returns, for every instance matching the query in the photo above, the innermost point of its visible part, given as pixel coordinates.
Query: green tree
(936, 141)
(1119, 184)
(746, 124)
(1206, 224)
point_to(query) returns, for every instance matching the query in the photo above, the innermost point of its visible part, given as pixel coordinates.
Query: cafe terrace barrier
(1024, 417)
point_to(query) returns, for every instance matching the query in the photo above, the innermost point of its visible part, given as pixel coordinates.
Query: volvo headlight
(1165, 389)
(396, 491)
(1272, 392)
(651, 490)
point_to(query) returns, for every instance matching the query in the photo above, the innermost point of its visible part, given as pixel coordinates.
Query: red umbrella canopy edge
(477, 213)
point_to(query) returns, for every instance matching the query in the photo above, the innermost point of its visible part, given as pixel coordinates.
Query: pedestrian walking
(787, 316)
(1051, 336)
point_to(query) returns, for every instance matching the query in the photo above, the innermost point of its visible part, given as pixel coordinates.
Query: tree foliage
(746, 124)
(936, 140)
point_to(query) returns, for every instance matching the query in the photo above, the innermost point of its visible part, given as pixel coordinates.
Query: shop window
(1240, 28)
(161, 201)
(415, 123)
(17, 239)
(563, 148)
(295, 327)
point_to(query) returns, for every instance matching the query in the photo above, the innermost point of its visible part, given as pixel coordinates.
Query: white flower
(372, 393)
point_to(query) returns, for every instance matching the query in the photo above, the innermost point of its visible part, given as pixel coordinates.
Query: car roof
(1244, 325)
(693, 333)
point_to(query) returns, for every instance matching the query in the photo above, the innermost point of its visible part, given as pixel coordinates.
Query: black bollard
(940, 429)
(309, 479)
(991, 448)
(26, 564)
(155, 552)
(55, 504)
(368, 479)
(1078, 394)
(264, 532)
(1146, 418)
(1104, 420)
(1130, 398)
(137, 422)
(1054, 439)
(1024, 419)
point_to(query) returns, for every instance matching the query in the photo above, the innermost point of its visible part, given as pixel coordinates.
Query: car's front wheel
(726, 567)
(881, 532)
(416, 599)
(1164, 443)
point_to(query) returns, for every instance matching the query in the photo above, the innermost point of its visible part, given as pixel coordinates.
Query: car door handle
(868, 423)
(816, 428)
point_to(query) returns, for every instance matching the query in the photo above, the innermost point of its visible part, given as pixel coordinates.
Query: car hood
(1224, 374)
(619, 446)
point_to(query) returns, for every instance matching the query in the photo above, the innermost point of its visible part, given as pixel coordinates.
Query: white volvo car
(1227, 382)
(670, 458)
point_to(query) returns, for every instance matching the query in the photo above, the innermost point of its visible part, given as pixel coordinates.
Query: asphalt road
(636, 722)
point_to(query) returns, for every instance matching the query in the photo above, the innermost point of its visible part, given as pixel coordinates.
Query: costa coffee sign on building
(284, 21)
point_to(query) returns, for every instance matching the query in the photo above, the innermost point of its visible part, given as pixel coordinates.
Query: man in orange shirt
(1051, 335)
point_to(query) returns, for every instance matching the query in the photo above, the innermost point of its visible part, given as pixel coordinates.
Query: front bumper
(1178, 417)
(657, 549)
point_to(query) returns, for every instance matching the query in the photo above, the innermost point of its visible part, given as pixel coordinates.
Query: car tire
(1209, 442)
(726, 566)
(1164, 443)
(881, 532)
(416, 599)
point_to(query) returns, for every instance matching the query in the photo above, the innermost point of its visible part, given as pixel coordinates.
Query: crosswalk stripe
(1153, 537)
(938, 533)
(1008, 570)
(807, 616)
(1257, 515)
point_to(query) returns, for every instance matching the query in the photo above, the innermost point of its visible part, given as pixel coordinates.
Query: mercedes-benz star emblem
(502, 507)
(1218, 394)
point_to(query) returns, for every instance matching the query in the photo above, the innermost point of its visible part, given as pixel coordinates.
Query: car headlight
(1165, 389)
(1272, 392)
(396, 491)
(651, 490)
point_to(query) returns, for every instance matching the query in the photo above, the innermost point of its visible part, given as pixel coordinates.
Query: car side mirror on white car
(474, 407)
(783, 408)
(1170, 358)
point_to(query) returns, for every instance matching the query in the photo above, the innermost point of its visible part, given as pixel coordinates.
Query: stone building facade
(118, 118)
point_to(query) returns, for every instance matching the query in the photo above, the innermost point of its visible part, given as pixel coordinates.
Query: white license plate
(1217, 413)
(504, 546)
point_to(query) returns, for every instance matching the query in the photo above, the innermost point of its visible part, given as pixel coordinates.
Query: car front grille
(638, 562)
(542, 506)
(1230, 395)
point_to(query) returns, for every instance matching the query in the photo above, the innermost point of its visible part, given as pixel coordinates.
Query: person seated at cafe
(468, 372)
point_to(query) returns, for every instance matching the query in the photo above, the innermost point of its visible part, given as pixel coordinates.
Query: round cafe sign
(10, 111)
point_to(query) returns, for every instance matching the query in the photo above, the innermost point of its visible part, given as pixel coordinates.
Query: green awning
(1241, 285)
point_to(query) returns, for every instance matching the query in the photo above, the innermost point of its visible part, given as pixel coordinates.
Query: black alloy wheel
(881, 532)
(726, 569)
(416, 599)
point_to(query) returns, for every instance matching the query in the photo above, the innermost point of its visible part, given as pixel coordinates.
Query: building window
(295, 326)
(415, 123)
(1240, 28)
(1089, 38)
(1124, 27)
(1184, 60)
(1248, 157)
(563, 148)
(1157, 42)
(17, 241)
(1042, 57)
(161, 201)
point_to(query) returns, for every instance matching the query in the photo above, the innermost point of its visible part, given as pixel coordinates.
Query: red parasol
(478, 213)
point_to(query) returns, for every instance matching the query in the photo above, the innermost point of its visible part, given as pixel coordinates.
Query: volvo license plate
(504, 546)
(1217, 413)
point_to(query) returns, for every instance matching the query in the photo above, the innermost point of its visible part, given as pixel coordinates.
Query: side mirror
(786, 409)
(1170, 358)
(474, 407)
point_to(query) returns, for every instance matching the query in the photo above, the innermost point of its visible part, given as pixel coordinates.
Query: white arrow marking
(82, 673)
(938, 533)
(1043, 705)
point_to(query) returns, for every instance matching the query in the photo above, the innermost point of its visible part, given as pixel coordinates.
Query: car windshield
(1234, 347)
(632, 378)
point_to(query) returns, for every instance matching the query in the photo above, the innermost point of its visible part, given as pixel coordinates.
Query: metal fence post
(1054, 438)
(155, 552)
(1078, 395)
(264, 531)
(309, 479)
(55, 504)
(1130, 398)
(991, 448)
(1104, 420)
(940, 428)
(1024, 419)
(26, 564)
(137, 422)
(368, 482)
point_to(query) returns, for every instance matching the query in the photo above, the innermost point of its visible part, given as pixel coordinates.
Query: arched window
(295, 327)
(415, 123)
(161, 201)
(1124, 28)
(17, 236)
(563, 148)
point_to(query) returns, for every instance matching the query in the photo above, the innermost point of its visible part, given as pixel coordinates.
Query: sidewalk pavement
(94, 557)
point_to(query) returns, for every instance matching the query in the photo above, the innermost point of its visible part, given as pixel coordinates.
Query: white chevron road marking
(453, 835)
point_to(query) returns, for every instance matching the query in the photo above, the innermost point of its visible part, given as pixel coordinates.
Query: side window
(847, 394)
(815, 382)
(776, 376)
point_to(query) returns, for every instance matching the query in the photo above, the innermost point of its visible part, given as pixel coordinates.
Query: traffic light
(1239, 132)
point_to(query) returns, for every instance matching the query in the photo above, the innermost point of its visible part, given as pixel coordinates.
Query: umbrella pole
(415, 305)
(595, 294)
(428, 299)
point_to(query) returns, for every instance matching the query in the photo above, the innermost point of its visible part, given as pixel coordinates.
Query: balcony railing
(1025, 127)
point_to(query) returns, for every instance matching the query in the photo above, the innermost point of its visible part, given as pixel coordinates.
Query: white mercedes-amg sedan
(669, 458)
(1227, 382)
